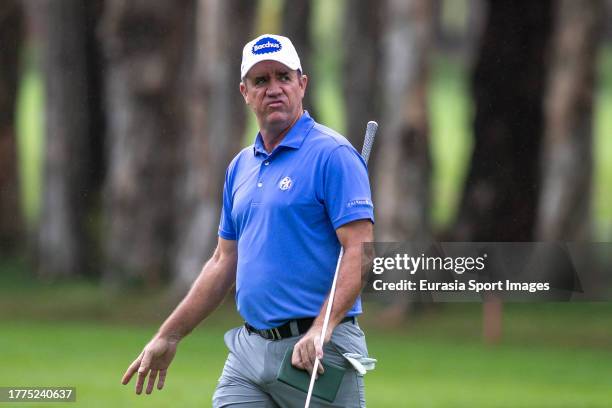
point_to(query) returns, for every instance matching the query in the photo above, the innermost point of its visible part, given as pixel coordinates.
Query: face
(274, 93)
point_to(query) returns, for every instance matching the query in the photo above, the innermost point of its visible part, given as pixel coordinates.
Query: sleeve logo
(364, 202)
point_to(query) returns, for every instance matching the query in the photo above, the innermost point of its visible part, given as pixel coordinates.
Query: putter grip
(368, 141)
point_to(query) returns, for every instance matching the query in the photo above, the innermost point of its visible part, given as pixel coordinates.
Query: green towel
(326, 386)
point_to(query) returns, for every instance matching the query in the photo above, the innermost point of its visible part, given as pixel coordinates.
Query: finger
(318, 347)
(146, 362)
(296, 360)
(127, 376)
(152, 378)
(318, 351)
(312, 354)
(130, 371)
(306, 363)
(162, 379)
(142, 376)
(143, 370)
(317, 365)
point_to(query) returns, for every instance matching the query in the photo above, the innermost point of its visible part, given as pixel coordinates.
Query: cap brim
(248, 67)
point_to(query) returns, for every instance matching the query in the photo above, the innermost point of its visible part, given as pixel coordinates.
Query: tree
(401, 159)
(216, 122)
(402, 200)
(362, 25)
(11, 36)
(500, 196)
(60, 233)
(145, 45)
(563, 211)
(296, 26)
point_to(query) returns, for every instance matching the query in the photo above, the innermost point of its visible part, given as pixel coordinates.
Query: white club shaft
(371, 129)
(324, 330)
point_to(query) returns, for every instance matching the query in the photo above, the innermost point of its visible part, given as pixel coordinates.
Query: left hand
(308, 349)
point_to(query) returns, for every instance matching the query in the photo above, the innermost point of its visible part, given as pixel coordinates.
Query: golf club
(371, 129)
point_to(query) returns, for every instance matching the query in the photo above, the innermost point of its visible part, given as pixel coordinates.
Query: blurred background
(119, 117)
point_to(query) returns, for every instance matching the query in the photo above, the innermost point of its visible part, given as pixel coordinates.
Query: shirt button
(266, 163)
(260, 184)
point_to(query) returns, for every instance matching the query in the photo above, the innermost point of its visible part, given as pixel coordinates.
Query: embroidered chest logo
(285, 184)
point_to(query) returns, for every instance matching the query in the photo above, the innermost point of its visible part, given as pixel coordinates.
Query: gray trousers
(249, 375)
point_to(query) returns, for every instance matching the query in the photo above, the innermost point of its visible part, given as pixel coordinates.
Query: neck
(273, 136)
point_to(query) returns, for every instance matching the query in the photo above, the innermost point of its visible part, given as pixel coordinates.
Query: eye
(259, 80)
(285, 78)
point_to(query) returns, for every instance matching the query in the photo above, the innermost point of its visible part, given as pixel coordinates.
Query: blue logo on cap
(266, 45)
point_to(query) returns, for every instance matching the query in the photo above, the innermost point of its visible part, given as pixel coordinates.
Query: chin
(277, 118)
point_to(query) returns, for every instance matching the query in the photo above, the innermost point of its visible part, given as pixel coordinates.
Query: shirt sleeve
(227, 229)
(347, 193)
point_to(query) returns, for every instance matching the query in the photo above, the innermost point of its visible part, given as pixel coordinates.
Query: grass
(76, 334)
(443, 374)
(413, 370)
(92, 357)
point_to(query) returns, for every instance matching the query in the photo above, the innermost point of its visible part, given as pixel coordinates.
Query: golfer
(290, 201)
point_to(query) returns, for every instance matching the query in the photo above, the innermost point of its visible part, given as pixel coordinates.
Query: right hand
(154, 359)
(307, 350)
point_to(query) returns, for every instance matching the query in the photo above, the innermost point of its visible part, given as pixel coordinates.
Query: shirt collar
(293, 139)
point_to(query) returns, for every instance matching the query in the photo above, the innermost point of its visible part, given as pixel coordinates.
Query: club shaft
(368, 141)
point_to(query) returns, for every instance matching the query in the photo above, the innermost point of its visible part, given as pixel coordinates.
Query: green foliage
(29, 122)
(450, 114)
(326, 80)
(602, 149)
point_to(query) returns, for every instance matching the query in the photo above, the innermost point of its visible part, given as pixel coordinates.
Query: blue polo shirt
(283, 209)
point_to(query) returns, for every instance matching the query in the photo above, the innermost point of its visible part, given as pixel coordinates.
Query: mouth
(275, 104)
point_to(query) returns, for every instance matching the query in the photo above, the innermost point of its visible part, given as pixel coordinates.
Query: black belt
(290, 329)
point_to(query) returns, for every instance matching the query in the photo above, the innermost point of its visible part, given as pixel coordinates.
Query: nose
(273, 89)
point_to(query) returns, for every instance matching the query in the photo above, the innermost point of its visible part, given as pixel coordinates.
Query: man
(289, 202)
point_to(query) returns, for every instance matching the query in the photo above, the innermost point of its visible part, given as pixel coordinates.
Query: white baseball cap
(269, 47)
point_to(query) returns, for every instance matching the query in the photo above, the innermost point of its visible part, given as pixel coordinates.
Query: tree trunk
(501, 192)
(97, 116)
(567, 164)
(60, 229)
(215, 131)
(11, 36)
(296, 26)
(362, 23)
(145, 43)
(403, 148)
(500, 197)
(401, 161)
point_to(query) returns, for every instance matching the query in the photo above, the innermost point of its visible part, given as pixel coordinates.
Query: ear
(303, 83)
(243, 91)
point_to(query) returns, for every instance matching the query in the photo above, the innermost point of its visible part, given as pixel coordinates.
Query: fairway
(162, 178)
(412, 371)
